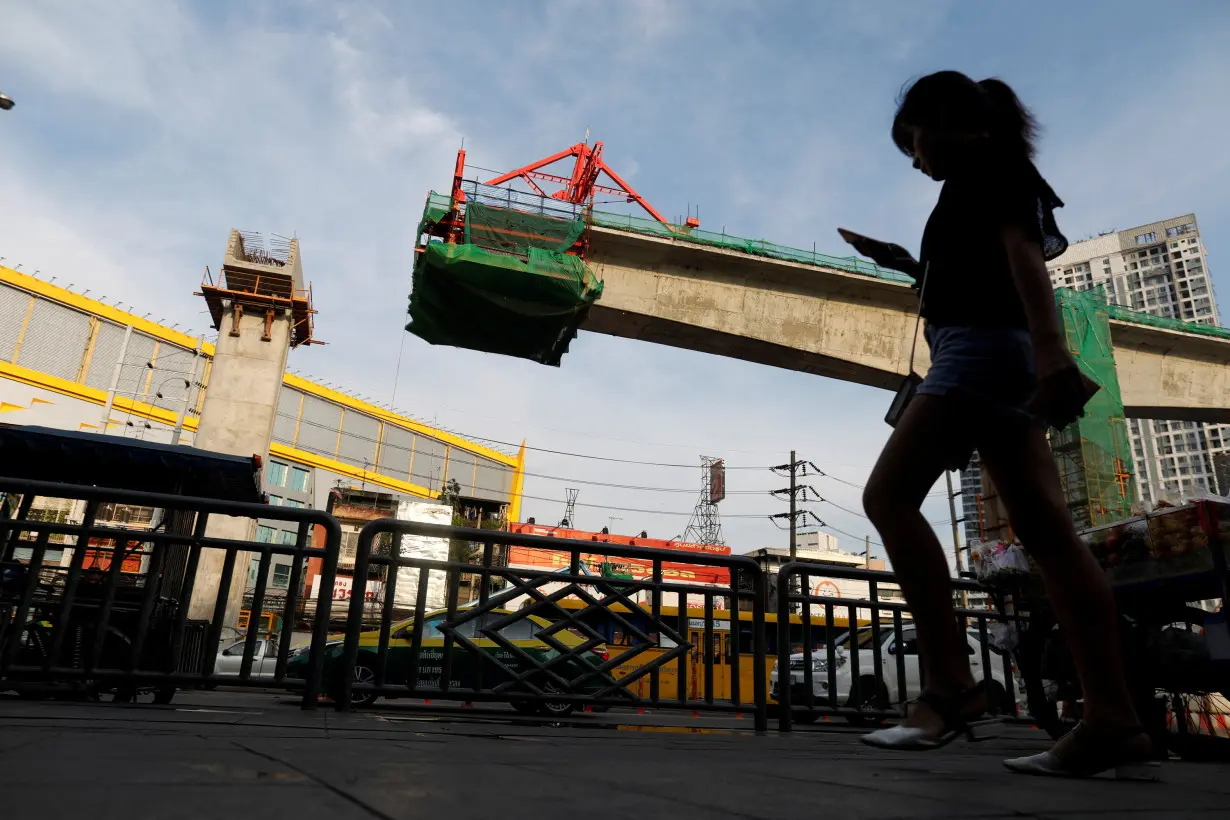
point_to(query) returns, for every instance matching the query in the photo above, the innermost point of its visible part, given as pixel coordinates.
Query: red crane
(578, 188)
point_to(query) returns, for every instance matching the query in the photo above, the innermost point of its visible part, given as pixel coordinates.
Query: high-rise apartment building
(971, 490)
(1159, 268)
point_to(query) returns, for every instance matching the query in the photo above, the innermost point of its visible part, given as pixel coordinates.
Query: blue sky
(144, 131)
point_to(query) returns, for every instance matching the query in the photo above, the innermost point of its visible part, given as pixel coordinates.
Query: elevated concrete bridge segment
(848, 326)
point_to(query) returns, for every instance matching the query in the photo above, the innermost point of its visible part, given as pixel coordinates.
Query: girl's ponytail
(1011, 123)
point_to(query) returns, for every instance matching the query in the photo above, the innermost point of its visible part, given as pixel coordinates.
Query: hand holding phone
(884, 254)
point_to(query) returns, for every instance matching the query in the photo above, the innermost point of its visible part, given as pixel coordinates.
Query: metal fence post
(759, 684)
(784, 678)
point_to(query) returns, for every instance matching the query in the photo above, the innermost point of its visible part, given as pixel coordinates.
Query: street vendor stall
(1168, 570)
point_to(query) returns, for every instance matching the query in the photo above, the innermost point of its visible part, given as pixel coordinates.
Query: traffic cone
(696, 714)
(467, 705)
(589, 709)
(641, 711)
(427, 701)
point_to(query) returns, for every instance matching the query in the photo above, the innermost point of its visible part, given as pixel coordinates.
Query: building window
(264, 535)
(298, 479)
(275, 476)
(281, 576)
(291, 502)
(287, 537)
(275, 500)
(124, 514)
(1146, 238)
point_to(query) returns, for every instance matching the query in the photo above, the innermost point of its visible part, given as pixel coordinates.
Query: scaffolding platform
(503, 272)
(267, 280)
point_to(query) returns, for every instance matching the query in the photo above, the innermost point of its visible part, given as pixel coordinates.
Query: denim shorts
(991, 369)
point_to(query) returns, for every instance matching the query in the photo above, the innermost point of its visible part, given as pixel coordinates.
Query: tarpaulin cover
(466, 296)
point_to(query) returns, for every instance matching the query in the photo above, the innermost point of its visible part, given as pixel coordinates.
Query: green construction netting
(514, 232)
(1092, 453)
(466, 296)
(1137, 317)
(757, 247)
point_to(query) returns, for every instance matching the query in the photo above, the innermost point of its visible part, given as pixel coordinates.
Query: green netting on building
(466, 296)
(1140, 318)
(757, 247)
(1092, 453)
(515, 232)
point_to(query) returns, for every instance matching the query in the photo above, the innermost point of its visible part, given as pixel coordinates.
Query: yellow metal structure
(124, 405)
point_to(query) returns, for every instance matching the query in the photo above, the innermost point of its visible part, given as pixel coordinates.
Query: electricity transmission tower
(570, 508)
(705, 525)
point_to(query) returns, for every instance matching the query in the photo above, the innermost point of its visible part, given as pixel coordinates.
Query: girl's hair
(951, 100)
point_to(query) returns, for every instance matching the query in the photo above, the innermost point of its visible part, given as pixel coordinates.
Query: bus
(613, 624)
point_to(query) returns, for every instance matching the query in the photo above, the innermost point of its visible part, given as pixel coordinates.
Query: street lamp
(6, 102)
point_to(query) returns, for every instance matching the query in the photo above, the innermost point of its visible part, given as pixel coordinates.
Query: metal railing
(113, 613)
(99, 626)
(560, 666)
(880, 691)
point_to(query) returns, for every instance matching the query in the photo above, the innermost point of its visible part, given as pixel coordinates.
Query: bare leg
(907, 469)
(1024, 473)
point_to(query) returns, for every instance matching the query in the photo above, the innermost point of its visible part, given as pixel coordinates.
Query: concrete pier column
(258, 309)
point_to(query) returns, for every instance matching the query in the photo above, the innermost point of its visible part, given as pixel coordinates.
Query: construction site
(518, 263)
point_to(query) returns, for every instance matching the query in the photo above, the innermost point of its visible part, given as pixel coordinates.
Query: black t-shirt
(969, 281)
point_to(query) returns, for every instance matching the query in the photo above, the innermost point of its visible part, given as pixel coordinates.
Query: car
(264, 658)
(875, 694)
(522, 633)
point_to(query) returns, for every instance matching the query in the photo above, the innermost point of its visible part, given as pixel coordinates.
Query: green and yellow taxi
(523, 633)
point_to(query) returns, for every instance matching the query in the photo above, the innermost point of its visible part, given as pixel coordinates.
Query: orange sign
(827, 589)
(635, 567)
(622, 540)
(101, 558)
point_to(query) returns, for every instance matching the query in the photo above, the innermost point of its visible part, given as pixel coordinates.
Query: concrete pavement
(227, 755)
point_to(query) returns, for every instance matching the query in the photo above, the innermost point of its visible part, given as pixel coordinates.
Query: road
(227, 754)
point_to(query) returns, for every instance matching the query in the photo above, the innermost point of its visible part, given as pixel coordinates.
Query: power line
(504, 467)
(628, 509)
(617, 439)
(846, 534)
(823, 474)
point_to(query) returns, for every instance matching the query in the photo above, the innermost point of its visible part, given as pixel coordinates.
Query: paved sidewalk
(256, 756)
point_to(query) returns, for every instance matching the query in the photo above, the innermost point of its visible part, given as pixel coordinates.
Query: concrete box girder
(846, 326)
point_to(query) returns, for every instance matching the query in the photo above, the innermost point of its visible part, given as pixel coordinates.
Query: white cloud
(145, 130)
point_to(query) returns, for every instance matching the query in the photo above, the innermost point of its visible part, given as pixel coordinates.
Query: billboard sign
(717, 481)
(343, 587)
(425, 547)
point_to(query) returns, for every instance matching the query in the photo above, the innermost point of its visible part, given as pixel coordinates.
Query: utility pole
(795, 467)
(794, 552)
(956, 533)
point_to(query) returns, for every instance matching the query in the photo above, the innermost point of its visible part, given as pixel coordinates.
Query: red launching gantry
(579, 188)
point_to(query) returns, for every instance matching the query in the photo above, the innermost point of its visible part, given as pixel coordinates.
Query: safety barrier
(858, 682)
(120, 623)
(521, 645)
(111, 614)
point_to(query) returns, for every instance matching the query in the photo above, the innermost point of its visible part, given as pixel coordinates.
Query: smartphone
(852, 237)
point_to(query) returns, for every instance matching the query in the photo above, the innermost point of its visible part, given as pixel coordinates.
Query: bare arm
(1033, 285)
(1063, 391)
(884, 254)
